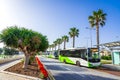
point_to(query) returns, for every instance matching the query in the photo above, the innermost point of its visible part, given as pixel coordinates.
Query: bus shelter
(115, 51)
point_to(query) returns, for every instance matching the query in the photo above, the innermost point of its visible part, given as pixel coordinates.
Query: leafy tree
(25, 40)
(74, 32)
(9, 51)
(97, 19)
(65, 39)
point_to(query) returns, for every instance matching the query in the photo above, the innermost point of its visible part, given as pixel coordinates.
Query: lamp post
(87, 41)
(90, 34)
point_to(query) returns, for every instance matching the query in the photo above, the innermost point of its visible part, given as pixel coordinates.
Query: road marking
(68, 69)
(65, 68)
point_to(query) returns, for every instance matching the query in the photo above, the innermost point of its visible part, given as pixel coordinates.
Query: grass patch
(106, 61)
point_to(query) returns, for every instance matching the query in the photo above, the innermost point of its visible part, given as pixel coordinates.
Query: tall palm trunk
(97, 32)
(55, 48)
(73, 41)
(49, 49)
(52, 48)
(58, 46)
(64, 44)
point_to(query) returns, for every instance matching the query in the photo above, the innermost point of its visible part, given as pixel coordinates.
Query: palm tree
(50, 47)
(74, 32)
(59, 41)
(55, 44)
(65, 39)
(97, 19)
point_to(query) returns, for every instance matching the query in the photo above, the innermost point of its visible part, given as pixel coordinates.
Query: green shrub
(42, 75)
(106, 57)
(106, 61)
(22, 60)
(32, 59)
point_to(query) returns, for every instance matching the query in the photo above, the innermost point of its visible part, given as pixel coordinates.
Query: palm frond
(73, 32)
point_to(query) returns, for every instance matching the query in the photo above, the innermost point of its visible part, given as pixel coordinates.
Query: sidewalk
(4, 75)
(111, 66)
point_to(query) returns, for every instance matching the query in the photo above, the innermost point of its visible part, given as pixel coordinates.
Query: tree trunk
(58, 46)
(73, 41)
(26, 61)
(64, 45)
(55, 48)
(97, 32)
(52, 48)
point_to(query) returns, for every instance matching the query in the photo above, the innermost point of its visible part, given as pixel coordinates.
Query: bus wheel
(77, 63)
(64, 61)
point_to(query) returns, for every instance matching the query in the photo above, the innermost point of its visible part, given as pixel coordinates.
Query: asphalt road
(62, 71)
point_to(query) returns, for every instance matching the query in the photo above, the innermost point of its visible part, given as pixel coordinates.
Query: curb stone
(50, 75)
(20, 75)
(112, 67)
(9, 64)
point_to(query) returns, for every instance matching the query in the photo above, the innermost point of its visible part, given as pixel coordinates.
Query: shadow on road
(70, 76)
(65, 68)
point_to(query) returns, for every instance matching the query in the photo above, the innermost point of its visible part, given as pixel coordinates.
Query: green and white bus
(80, 56)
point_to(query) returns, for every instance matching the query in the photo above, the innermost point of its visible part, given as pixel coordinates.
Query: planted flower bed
(32, 69)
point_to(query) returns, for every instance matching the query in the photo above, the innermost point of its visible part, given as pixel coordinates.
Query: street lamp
(90, 34)
(87, 40)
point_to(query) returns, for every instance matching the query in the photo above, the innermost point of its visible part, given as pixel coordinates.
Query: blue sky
(54, 18)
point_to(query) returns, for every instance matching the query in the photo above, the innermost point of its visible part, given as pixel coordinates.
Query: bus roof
(77, 48)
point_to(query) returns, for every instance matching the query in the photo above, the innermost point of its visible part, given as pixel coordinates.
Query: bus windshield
(93, 53)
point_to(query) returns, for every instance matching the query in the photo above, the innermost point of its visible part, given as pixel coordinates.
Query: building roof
(111, 44)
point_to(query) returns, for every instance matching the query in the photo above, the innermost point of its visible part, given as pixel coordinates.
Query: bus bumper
(94, 64)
